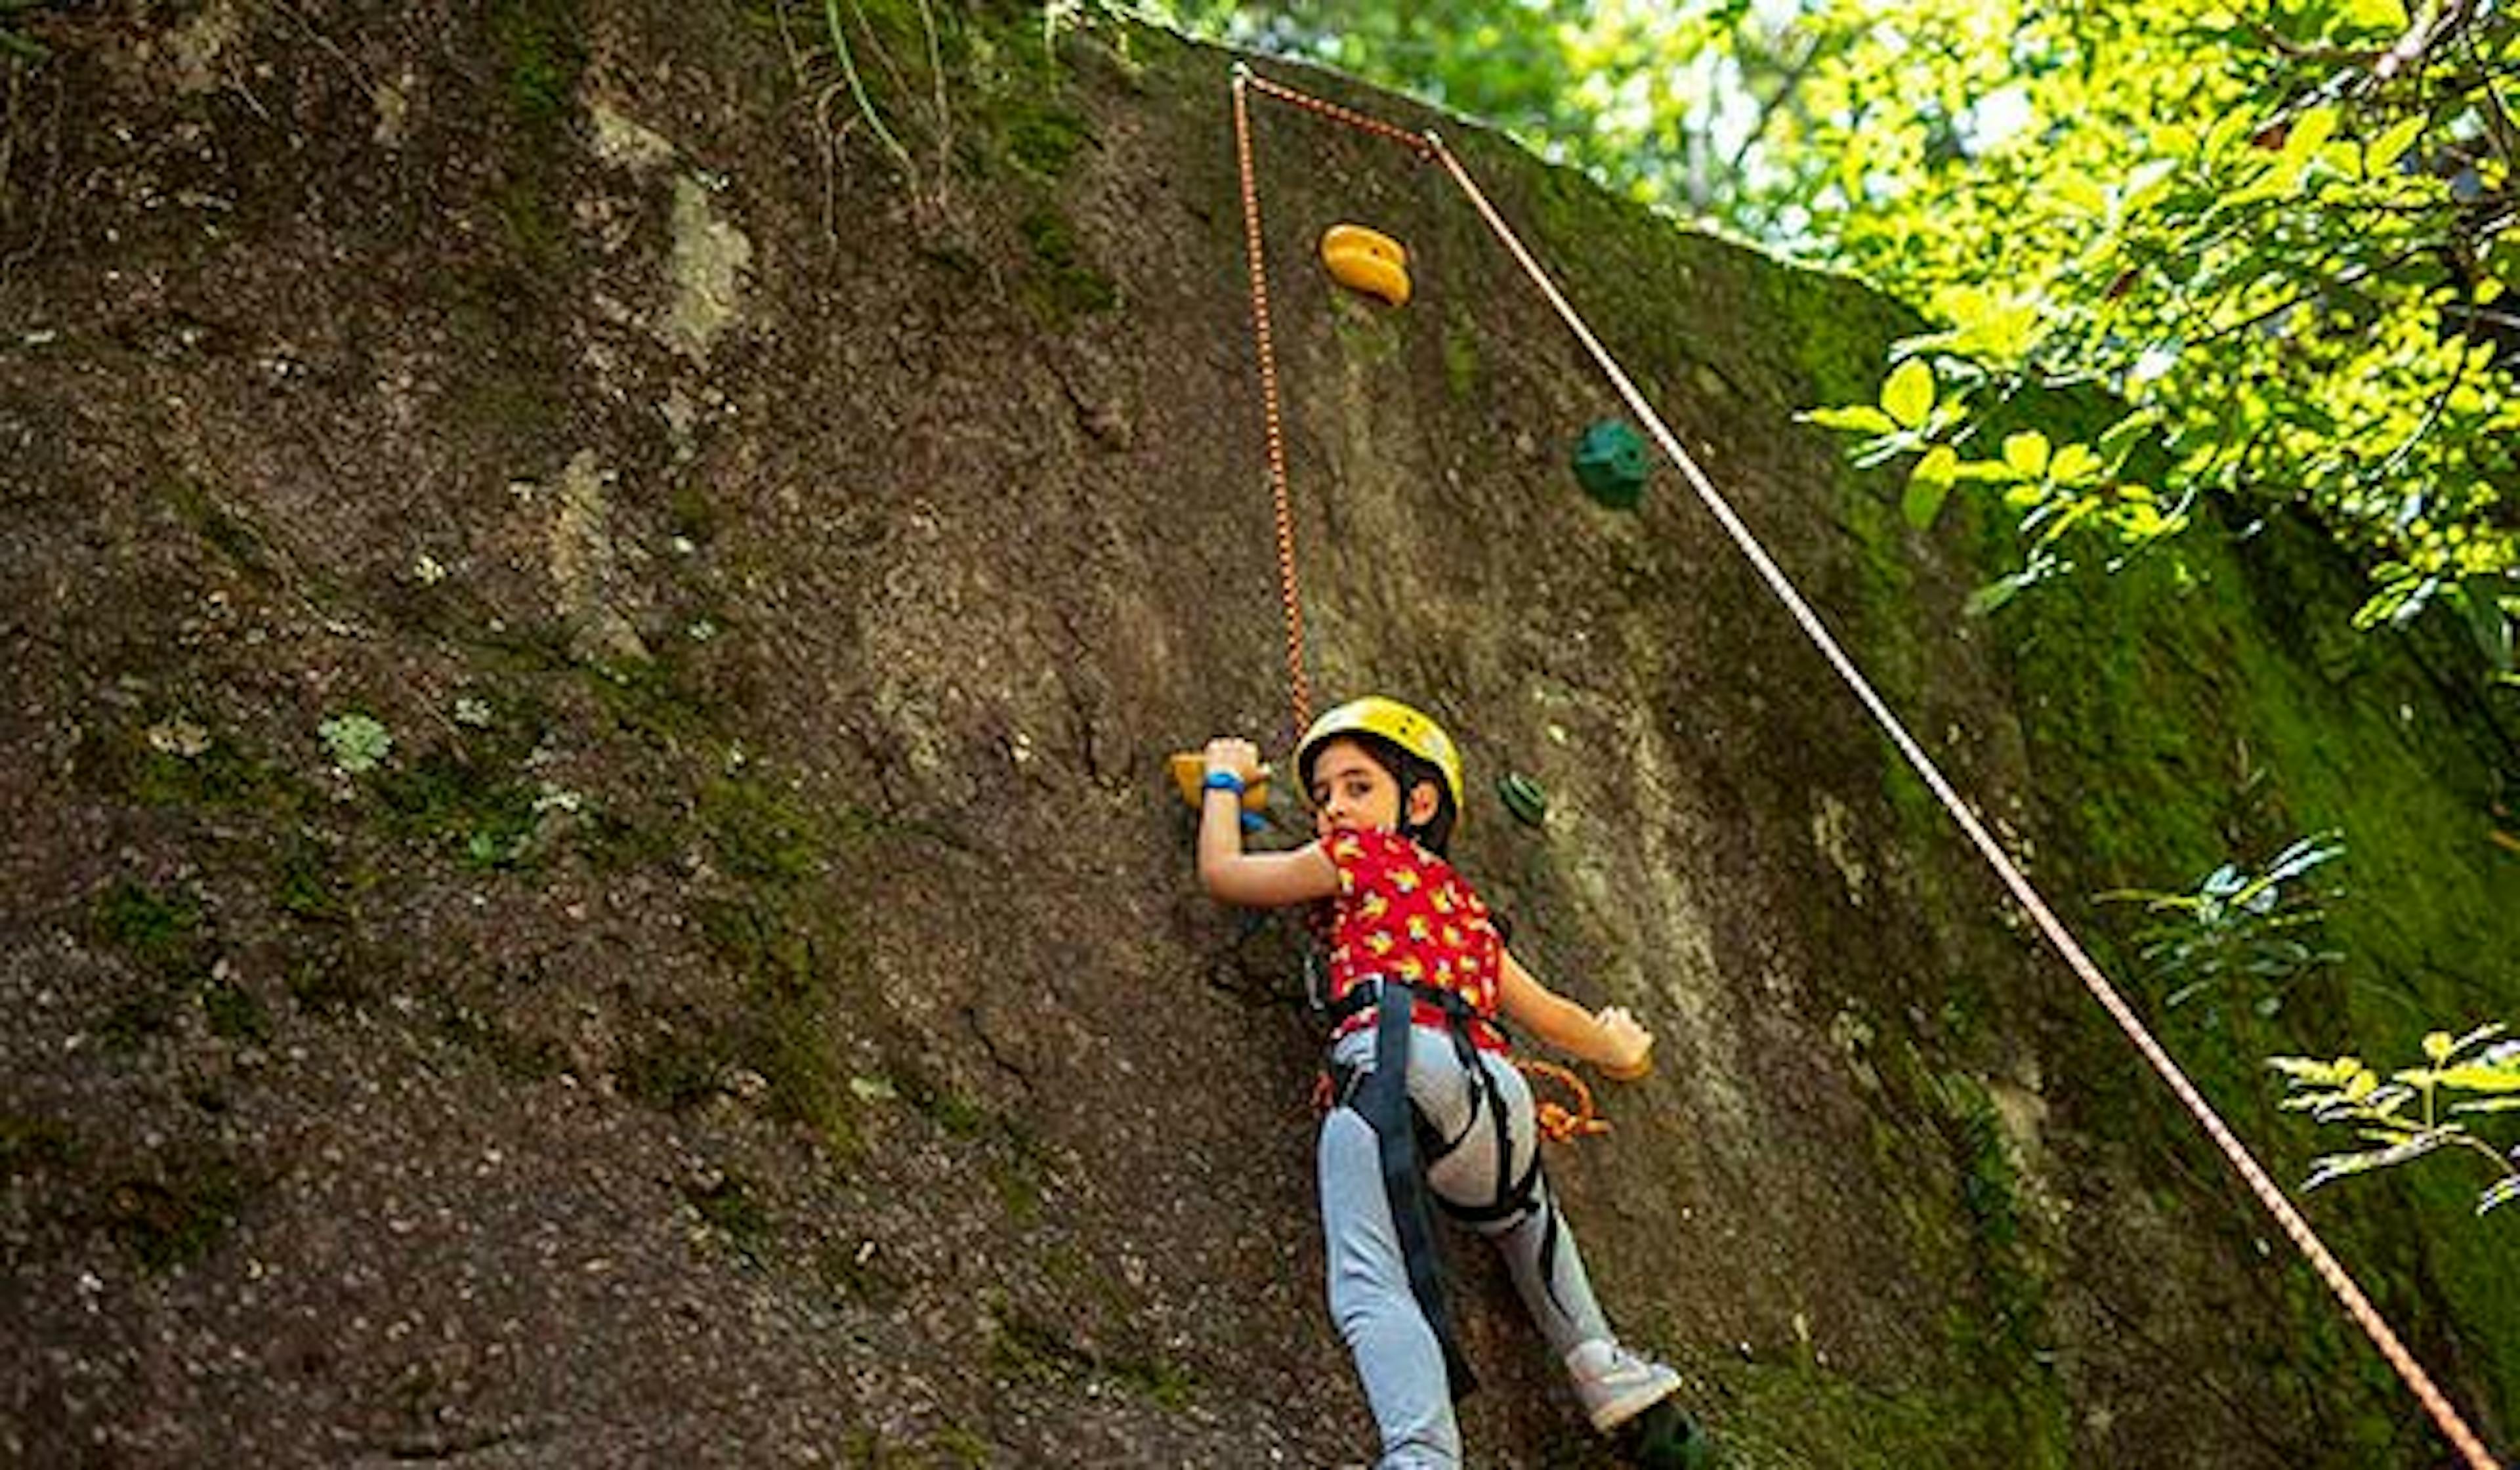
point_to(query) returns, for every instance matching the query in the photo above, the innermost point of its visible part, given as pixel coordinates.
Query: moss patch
(1799, 1416)
(1026, 1348)
(1040, 135)
(735, 1214)
(1061, 284)
(540, 52)
(177, 1218)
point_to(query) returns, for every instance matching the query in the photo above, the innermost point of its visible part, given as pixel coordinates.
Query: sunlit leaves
(2413, 1111)
(1908, 394)
(1928, 483)
(2382, 152)
(2275, 233)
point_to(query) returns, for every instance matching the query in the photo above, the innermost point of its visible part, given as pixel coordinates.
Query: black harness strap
(1383, 1101)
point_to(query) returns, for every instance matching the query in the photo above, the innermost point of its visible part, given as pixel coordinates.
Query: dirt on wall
(593, 598)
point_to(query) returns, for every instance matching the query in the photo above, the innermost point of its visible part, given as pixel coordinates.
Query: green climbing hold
(1525, 798)
(1666, 1438)
(1611, 463)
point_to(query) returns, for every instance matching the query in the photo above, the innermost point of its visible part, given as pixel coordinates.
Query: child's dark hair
(1435, 833)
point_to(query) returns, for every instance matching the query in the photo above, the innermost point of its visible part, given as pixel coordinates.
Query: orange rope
(1299, 688)
(2269, 1195)
(1273, 416)
(1416, 143)
(1560, 1124)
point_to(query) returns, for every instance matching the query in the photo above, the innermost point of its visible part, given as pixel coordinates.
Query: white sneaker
(1614, 1384)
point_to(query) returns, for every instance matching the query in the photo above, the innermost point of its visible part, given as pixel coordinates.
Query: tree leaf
(2310, 133)
(2477, 1078)
(2337, 1166)
(1928, 484)
(2073, 463)
(2027, 453)
(2479, 597)
(1908, 395)
(2120, 439)
(2381, 154)
(2078, 189)
(1862, 417)
(1994, 595)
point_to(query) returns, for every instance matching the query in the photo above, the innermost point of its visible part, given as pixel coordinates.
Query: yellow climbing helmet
(1393, 721)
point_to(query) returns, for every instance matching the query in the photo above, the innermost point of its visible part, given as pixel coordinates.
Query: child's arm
(1258, 881)
(1609, 1038)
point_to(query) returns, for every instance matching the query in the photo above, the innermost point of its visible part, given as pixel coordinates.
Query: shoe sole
(1618, 1412)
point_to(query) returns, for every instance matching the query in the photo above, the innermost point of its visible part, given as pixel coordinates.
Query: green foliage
(2260, 927)
(14, 42)
(357, 742)
(2275, 235)
(2462, 1083)
(734, 1213)
(538, 42)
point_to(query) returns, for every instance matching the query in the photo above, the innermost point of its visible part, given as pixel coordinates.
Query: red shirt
(1403, 913)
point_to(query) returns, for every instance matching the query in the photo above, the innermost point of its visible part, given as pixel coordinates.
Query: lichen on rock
(706, 271)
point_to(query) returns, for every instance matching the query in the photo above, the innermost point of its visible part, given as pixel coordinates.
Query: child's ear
(1424, 801)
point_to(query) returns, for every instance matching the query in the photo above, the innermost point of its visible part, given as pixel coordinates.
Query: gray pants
(1396, 1354)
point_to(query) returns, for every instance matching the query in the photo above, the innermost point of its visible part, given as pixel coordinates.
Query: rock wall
(596, 596)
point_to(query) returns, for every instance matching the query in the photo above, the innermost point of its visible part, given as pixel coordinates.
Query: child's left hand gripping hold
(1627, 1046)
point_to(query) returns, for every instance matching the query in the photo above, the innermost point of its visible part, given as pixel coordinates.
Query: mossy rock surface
(757, 1007)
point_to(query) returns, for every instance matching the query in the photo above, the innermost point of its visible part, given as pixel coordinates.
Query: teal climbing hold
(1525, 798)
(1611, 463)
(1666, 1438)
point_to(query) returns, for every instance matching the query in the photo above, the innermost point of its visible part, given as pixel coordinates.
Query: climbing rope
(1559, 1123)
(2269, 1195)
(1299, 688)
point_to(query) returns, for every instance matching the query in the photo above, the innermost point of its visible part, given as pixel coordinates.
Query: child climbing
(1423, 1099)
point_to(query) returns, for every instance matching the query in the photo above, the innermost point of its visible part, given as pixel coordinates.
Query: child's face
(1352, 792)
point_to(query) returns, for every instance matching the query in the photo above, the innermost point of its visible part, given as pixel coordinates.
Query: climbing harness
(1406, 1148)
(1429, 146)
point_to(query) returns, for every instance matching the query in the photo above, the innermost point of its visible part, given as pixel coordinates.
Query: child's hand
(1238, 757)
(1626, 1050)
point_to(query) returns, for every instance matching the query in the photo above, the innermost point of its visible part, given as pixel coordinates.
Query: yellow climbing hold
(1367, 260)
(1189, 774)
